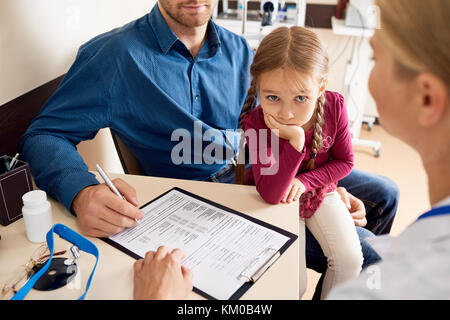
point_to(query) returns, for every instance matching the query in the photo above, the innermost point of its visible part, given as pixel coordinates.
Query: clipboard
(250, 272)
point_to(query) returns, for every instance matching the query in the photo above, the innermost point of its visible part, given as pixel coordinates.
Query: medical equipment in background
(362, 14)
(268, 13)
(361, 17)
(270, 10)
(299, 18)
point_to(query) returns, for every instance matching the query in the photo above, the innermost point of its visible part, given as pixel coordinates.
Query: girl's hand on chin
(294, 134)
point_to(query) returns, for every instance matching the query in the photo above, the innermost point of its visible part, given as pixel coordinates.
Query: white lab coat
(415, 266)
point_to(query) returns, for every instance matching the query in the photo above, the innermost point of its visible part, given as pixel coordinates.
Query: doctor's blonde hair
(416, 33)
(295, 48)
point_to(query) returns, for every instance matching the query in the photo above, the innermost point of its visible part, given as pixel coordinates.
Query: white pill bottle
(37, 214)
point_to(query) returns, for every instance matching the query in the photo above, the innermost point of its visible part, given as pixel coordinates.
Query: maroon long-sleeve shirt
(332, 163)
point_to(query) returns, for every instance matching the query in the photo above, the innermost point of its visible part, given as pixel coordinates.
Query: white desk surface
(113, 278)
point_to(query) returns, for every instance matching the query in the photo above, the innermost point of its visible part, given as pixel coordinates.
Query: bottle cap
(34, 199)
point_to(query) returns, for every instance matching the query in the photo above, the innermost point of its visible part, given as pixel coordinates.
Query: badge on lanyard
(73, 237)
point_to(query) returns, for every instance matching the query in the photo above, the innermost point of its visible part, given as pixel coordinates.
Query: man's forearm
(56, 166)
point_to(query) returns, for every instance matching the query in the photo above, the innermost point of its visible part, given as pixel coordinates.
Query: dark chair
(129, 162)
(17, 115)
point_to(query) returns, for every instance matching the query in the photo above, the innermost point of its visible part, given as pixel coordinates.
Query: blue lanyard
(436, 212)
(68, 235)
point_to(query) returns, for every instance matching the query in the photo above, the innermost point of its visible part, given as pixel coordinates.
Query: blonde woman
(411, 86)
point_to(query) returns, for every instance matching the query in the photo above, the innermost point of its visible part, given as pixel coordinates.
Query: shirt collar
(211, 34)
(440, 208)
(166, 37)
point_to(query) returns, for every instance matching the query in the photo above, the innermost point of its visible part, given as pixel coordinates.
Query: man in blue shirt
(173, 69)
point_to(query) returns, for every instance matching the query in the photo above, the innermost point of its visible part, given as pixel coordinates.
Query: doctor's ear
(433, 99)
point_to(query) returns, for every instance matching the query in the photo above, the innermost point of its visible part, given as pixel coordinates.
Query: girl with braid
(289, 75)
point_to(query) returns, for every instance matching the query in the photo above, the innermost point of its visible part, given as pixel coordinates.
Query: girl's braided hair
(295, 48)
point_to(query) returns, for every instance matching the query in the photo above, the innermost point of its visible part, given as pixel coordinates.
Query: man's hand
(295, 190)
(355, 206)
(160, 276)
(294, 134)
(101, 213)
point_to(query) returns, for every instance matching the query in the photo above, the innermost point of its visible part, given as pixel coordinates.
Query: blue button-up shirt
(141, 81)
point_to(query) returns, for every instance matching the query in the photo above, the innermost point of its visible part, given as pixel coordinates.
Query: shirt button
(196, 98)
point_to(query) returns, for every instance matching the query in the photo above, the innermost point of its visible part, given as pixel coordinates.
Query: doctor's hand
(101, 213)
(160, 276)
(354, 206)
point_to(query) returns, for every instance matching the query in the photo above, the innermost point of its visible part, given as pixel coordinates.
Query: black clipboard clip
(247, 273)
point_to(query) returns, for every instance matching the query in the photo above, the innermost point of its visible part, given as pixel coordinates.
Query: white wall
(39, 40)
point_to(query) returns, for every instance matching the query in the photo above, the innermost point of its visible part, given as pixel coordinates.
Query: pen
(13, 161)
(109, 183)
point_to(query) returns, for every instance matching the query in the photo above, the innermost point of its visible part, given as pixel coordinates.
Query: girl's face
(289, 96)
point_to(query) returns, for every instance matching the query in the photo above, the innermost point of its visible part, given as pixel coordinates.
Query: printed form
(220, 246)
